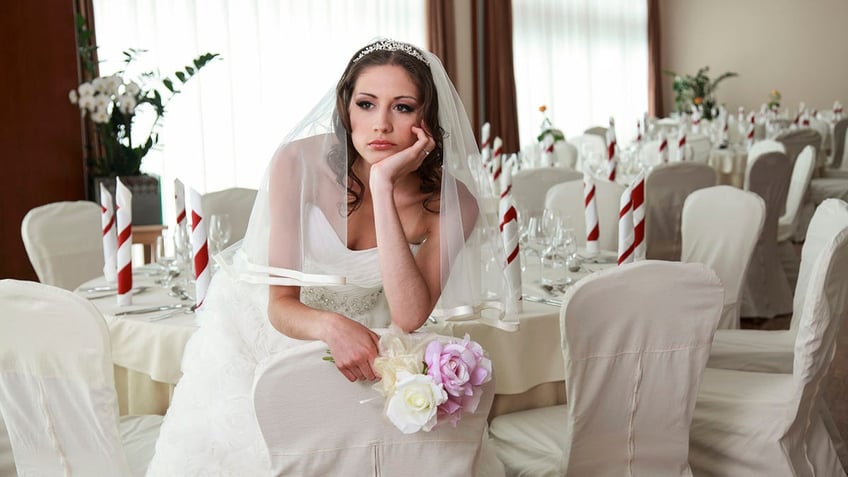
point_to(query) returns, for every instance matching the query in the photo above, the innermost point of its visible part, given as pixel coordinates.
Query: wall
(39, 129)
(795, 47)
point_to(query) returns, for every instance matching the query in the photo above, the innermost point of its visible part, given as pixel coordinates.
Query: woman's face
(384, 106)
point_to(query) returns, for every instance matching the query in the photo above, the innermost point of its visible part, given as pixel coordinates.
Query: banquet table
(528, 363)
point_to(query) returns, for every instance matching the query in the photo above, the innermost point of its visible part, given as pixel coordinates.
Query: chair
(787, 224)
(567, 199)
(750, 423)
(236, 202)
(773, 351)
(720, 227)
(795, 140)
(666, 188)
(838, 167)
(590, 148)
(566, 155)
(57, 391)
(635, 340)
(64, 243)
(766, 145)
(330, 427)
(597, 131)
(700, 146)
(766, 292)
(529, 186)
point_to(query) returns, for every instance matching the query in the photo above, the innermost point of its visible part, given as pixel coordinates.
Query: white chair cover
(64, 242)
(802, 172)
(795, 140)
(823, 128)
(700, 146)
(237, 202)
(766, 292)
(566, 155)
(666, 188)
(598, 131)
(316, 423)
(749, 423)
(838, 166)
(720, 227)
(529, 186)
(635, 342)
(57, 391)
(766, 145)
(567, 200)
(588, 145)
(773, 351)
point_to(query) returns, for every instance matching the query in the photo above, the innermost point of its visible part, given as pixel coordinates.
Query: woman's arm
(352, 345)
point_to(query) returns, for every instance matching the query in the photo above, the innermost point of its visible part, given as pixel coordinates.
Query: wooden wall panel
(40, 142)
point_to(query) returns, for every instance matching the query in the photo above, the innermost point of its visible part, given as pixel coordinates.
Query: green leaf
(190, 70)
(180, 76)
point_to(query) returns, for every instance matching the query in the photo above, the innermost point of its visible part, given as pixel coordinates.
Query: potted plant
(112, 103)
(697, 90)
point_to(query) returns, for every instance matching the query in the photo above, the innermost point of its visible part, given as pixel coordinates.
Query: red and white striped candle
(200, 248)
(110, 235)
(123, 199)
(625, 228)
(681, 144)
(590, 209)
(179, 201)
(637, 196)
(497, 160)
(663, 148)
(510, 232)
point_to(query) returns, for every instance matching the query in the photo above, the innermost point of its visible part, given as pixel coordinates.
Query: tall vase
(146, 196)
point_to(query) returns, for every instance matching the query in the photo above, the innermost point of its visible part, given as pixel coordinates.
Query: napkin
(612, 167)
(510, 232)
(637, 196)
(548, 151)
(179, 200)
(638, 132)
(590, 209)
(663, 148)
(485, 143)
(611, 140)
(497, 159)
(749, 135)
(123, 199)
(200, 248)
(110, 236)
(696, 120)
(625, 227)
(681, 144)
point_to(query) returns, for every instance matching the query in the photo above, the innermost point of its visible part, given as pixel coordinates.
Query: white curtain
(278, 57)
(586, 60)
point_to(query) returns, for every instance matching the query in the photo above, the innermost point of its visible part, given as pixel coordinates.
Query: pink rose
(461, 367)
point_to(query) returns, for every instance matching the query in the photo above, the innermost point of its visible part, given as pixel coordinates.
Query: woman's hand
(398, 165)
(353, 347)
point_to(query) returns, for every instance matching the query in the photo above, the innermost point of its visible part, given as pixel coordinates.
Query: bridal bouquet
(428, 379)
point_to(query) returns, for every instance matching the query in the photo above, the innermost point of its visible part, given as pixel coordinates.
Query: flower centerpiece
(113, 103)
(698, 90)
(547, 128)
(428, 379)
(774, 100)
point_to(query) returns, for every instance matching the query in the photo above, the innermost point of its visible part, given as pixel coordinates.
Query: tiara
(392, 45)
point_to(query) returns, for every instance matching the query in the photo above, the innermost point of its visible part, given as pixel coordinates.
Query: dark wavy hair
(430, 171)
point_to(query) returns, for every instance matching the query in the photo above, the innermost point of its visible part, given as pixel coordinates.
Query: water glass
(219, 232)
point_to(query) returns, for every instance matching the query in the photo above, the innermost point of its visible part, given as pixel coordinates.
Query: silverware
(169, 314)
(113, 292)
(151, 309)
(539, 299)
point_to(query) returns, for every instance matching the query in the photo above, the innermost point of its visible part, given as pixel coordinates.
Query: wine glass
(537, 238)
(219, 232)
(183, 252)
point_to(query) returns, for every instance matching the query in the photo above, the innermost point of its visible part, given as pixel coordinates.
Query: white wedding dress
(210, 427)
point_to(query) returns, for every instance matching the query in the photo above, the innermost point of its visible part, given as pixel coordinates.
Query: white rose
(86, 89)
(415, 402)
(127, 102)
(133, 88)
(100, 116)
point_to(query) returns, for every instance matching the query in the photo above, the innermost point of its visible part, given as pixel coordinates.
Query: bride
(367, 217)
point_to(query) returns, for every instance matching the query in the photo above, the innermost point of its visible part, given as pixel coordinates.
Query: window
(279, 58)
(585, 60)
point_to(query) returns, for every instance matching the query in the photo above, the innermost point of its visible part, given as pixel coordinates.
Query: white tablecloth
(528, 363)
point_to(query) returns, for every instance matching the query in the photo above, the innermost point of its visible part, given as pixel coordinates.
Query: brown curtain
(441, 33)
(497, 98)
(655, 100)
(84, 9)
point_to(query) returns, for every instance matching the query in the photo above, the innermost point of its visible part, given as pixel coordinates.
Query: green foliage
(696, 90)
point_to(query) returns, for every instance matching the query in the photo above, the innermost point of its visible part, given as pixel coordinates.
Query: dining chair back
(772, 351)
(57, 390)
(529, 186)
(635, 341)
(766, 292)
(795, 140)
(666, 189)
(64, 243)
(591, 148)
(597, 131)
(749, 423)
(766, 145)
(236, 202)
(567, 200)
(700, 146)
(839, 161)
(362, 441)
(565, 155)
(720, 227)
(802, 172)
